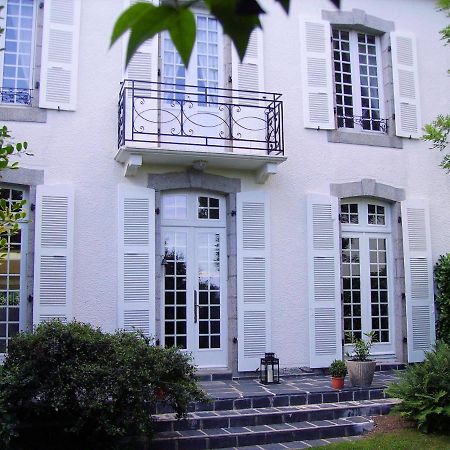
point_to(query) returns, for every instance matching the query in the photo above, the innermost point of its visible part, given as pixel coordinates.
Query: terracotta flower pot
(337, 382)
(360, 373)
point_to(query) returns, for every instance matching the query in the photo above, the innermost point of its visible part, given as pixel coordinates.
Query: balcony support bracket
(263, 174)
(132, 165)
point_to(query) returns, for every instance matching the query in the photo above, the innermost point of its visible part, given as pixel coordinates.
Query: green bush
(338, 369)
(442, 282)
(73, 387)
(424, 389)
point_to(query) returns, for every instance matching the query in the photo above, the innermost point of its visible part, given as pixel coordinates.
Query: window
(11, 278)
(366, 270)
(203, 70)
(208, 208)
(357, 77)
(17, 59)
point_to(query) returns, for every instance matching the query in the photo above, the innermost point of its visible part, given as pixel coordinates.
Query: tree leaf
(284, 4)
(182, 29)
(237, 27)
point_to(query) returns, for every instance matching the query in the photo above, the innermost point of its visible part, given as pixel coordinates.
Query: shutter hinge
(230, 79)
(32, 207)
(233, 213)
(30, 299)
(403, 296)
(399, 219)
(41, 5)
(393, 116)
(405, 340)
(343, 342)
(342, 297)
(389, 48)
(159, 72)
(37, 85)
(157, 342)
(235, 340)
(157, 211)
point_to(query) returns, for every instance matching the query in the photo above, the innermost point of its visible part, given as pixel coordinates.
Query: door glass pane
(10, 268)
(379, 289)
(209, 290)
(207, 59)
(351, 286)
(175, 331)
(174, 73)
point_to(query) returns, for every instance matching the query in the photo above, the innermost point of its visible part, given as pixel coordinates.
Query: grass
(407, 439)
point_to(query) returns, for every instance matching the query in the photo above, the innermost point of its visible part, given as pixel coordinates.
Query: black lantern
(269, 369)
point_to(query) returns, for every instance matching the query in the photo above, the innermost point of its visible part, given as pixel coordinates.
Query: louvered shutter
(60, 47)
(406, 85)
(325, 327)
(53, 266)
(253, 278)
(248, 78)
(136, 305)
(418, 279)
(317, 83)
(248, 75)
(142, 71)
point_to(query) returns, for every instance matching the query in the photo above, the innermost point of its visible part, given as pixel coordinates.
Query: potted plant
(337, 370)
(360, 368)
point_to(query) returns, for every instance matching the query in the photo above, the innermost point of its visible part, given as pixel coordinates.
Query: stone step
(266, 416)
(298, 445)
(260, 399)
(230, 437)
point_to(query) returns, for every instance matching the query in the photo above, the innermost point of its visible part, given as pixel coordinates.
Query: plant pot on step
(361, 373)
(337, 382)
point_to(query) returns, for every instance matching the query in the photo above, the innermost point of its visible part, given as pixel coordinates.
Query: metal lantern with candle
(269, 369)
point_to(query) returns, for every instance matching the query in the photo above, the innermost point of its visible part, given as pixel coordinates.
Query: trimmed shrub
(424, 389)
(442, 282)
(72, 386)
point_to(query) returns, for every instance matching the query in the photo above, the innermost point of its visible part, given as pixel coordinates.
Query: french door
(194, 314)
(367, 289)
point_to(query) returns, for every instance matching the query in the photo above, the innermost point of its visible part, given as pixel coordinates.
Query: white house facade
(232, 208)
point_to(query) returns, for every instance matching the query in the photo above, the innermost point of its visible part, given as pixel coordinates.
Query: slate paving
(320, 384)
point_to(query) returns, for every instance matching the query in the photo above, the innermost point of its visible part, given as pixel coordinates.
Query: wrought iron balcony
(159, 115)
(363, 122)
(16, 96)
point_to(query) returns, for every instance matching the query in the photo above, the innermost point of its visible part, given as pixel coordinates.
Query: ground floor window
(12, 279)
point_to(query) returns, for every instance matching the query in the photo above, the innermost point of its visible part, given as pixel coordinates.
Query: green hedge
(424, 389)
(442, 283)
(73, 386)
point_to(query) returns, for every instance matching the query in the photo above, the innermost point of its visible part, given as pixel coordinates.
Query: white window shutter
(248, 75)
(53, 266)
(144, 63)
(317, 81)
(60, 48)
(136, 305)
(406, 85)
(253, 279)
(418, 279)
(324, 283)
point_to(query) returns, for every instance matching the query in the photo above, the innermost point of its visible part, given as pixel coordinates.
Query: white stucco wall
(78, 147)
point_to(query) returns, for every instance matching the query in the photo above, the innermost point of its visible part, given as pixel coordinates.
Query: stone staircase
(298, 413)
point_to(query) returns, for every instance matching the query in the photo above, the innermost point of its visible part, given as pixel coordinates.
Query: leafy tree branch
(144, 20)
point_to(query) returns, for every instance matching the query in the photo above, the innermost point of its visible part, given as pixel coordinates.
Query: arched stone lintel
(367, 187)
(193, 179)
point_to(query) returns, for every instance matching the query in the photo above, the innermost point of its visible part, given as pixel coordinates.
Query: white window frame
(4, 13)
(364, 231)
(356, 78)
(23, 289)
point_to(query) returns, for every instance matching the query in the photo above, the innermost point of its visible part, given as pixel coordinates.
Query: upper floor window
(16, 61)
(357, 70)
(204, 67)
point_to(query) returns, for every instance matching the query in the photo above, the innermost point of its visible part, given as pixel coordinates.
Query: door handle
(195, 306)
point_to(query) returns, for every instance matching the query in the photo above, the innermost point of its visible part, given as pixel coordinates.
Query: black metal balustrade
(366, 123)
(185, 115)
(16, 96)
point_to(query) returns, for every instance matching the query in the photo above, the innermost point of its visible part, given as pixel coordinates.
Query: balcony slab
(262, 165)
